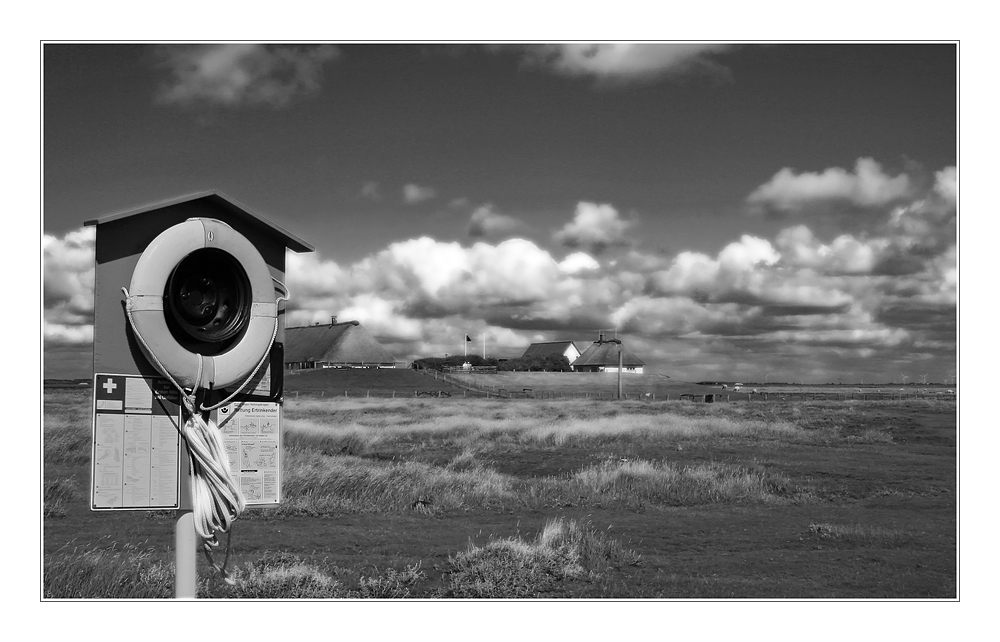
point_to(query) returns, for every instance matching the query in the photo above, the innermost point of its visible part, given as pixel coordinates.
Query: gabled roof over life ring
(219, 199)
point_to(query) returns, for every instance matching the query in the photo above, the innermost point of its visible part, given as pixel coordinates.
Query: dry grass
(330, 463)
(325, 485)
(67, 428)
(668, 484)
(112, 572)
(280, 576)
(57, 494)
(391, 462)
(515, 568)
(358, 426)
(320, 484)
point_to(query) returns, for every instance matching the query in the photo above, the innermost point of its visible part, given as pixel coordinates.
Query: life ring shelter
(199, 270)
(189, 332)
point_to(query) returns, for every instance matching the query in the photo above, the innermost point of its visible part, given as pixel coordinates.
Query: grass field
(512, 498)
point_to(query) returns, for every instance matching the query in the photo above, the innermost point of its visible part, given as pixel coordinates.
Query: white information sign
(251, 431)
(136, 446)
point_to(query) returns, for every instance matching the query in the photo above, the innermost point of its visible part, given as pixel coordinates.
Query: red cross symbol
(109, 385)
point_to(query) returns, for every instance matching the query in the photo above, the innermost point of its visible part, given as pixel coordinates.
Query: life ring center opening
(209, 297)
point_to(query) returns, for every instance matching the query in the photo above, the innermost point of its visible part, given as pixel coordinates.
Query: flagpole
(484, 345)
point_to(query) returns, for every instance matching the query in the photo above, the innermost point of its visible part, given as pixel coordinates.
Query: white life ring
(148, 309)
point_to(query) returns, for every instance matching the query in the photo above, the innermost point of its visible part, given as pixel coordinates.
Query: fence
(471, 369)
(477, 389)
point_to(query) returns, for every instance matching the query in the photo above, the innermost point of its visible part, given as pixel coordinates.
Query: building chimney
(333, 320)
(600, 336)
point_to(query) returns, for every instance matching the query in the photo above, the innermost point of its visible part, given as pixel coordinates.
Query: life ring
(204, 283)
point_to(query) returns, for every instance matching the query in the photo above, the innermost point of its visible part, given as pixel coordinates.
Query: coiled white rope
(215, 494)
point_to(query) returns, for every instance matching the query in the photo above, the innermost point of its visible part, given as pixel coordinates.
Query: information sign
(251, 431)
(136, 443)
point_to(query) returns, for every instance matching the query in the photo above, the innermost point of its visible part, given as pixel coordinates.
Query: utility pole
(619, 370)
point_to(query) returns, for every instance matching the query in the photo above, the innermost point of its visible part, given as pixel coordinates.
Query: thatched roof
(549, 347)
(347, 342)
(605, 353)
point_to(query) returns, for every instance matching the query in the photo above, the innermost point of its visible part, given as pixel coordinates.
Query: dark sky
(480, 125)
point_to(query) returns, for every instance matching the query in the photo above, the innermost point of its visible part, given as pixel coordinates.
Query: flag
(468, 338)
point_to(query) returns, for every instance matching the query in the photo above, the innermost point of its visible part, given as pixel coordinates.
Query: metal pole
(619, 368)
(185, 550)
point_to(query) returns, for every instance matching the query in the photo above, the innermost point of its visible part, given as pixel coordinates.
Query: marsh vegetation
(452, 498)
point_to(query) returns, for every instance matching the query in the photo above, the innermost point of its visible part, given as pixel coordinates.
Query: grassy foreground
(460, 498)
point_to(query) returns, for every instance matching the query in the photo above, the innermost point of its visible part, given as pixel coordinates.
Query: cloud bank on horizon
(886, 289)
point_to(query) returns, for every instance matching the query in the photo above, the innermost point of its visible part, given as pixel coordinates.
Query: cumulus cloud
(594, 228)
(422, 289)
(627, 62)
(382, 317)
(68, 280)
(242, 74)
(578, 262)
(413, 193)
(734, 269)
(845, 254)
(650, 316)
(867, 186)
(485, 222)
(746, 253)
(946, 184)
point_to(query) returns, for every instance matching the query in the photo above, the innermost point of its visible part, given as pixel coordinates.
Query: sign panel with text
(136, 443)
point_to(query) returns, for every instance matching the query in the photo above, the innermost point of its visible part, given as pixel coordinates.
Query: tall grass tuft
(118, 573)
(669, 484)
(56, 494)
(514, 568)
(281, 576)
(66, 429)
(316, 484)
(392, 584)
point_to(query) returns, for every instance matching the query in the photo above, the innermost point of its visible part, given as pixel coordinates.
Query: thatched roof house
(335, 345)
(602, 356)
(566, 348)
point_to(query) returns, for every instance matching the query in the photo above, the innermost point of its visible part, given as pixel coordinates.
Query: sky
(733, 211)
